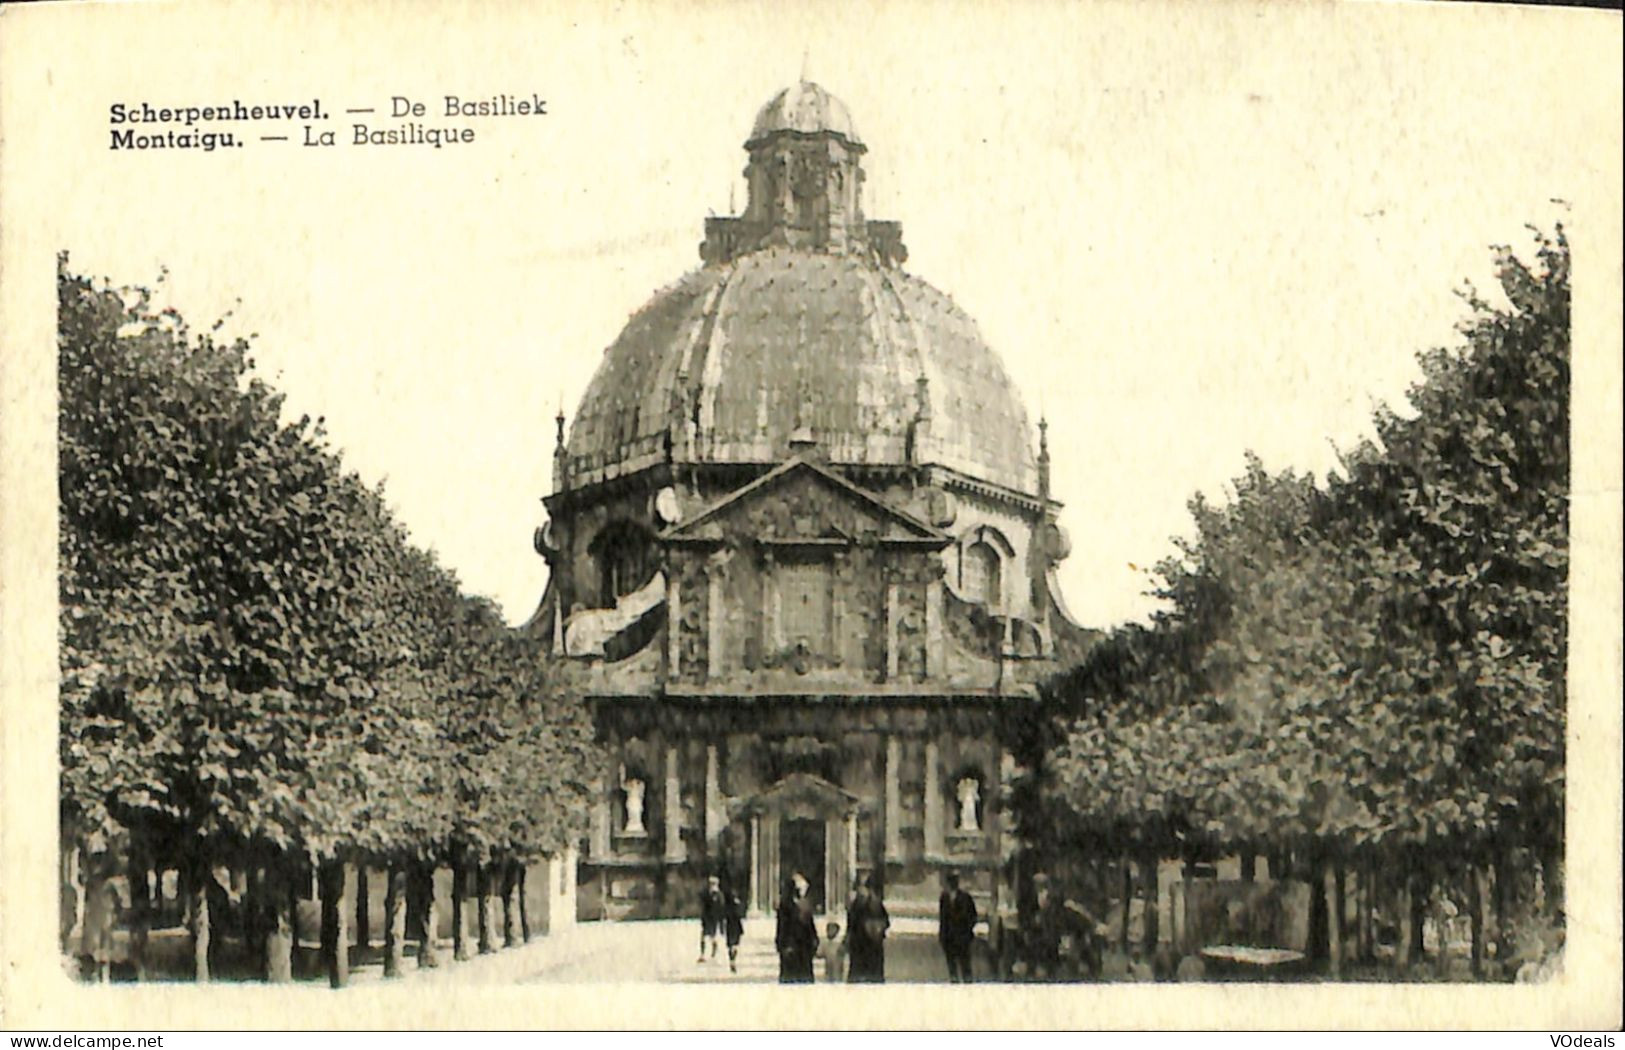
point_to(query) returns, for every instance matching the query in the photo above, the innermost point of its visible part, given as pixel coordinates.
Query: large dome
(802, 326)
(746, 353)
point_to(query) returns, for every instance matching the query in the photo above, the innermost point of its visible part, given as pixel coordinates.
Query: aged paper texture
(1187, 231)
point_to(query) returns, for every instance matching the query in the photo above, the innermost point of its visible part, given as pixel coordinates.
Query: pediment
(801, 503)
(803, 788)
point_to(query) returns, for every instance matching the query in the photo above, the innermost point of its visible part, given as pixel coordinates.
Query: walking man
(713, 906)
(956, 928)
(733, 921)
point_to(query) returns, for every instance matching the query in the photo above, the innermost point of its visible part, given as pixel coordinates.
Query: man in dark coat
(1043, 929)
(712, 907)
(797, 937)
(1056, 934)
(733, 923)
(866, 926)
(956, 928)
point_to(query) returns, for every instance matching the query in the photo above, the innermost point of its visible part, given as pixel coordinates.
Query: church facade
(802, 548)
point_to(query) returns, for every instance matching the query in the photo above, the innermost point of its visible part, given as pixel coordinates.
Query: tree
(258, 669)
(1373, 665)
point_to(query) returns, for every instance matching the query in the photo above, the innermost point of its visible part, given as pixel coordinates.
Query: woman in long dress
(866, 926)
(797, 937)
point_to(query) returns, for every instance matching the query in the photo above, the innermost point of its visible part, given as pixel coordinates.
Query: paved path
(662, 951)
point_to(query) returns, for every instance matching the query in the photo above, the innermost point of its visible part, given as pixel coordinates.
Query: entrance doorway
(802, 823)
(801, 848)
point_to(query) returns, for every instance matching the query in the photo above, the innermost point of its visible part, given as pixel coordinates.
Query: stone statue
(969, 792)
(634, 807)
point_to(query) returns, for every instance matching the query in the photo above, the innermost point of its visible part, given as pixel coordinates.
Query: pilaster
(934, 839)
(759, 902)
(891, 630)
(934, 666)
(852, 846)
(713, 619)
(598, 847)
(674, 629)
(894, 799)
(715, 817)
(675, 852)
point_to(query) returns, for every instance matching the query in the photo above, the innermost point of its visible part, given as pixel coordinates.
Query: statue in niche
(969, 793)
(634, 807)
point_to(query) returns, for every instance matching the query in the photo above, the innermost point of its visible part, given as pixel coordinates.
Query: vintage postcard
(549, 515)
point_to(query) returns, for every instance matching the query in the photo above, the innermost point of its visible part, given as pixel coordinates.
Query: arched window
(625, 558)
(981, 575)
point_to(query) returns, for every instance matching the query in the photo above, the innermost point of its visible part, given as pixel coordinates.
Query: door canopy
(803, 794)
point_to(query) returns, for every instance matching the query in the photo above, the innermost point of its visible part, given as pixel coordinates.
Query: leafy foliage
(1374, 663)
(255, 660)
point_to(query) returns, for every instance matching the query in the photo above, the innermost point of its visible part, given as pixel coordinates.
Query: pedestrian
(797, 937)
(1046, 928)
(956, 928)
(833, 952)
(733, 921)
(712, 907)
(102, 907)
(866, 926)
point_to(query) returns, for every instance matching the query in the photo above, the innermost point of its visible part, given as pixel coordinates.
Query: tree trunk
(335, 916)
(296, 875)
(1340, 912)
(1399, 889)
(1365, 939)
(363, 914)
(482, 887)
(459, 909)
(1249, 865)
(510, 913)
(1319, 907)
(429, 916)
(140, 909)
(394, 920)
(1420, 891)
(198, 881)
(1330, 885)
(1503, 890)
(1551, 871)
(1128, 900)
(1401, 911)
(524, 908)
(283, 909)
(1475, 907)
(1187, 935)
(1148, 888)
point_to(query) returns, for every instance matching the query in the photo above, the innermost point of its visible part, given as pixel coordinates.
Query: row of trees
(259, 672)
(1363, 678)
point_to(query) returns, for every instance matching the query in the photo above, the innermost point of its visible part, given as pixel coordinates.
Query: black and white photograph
(609, 512)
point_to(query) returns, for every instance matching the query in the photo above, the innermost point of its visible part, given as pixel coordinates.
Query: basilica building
(802, 548)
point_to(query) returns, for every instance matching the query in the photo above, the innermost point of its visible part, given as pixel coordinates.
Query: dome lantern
(805, 184)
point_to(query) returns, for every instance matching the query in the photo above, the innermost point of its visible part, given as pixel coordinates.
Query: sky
(1188, 234)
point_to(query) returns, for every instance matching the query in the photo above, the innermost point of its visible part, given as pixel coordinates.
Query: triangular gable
(694, 528)
(803, 787)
